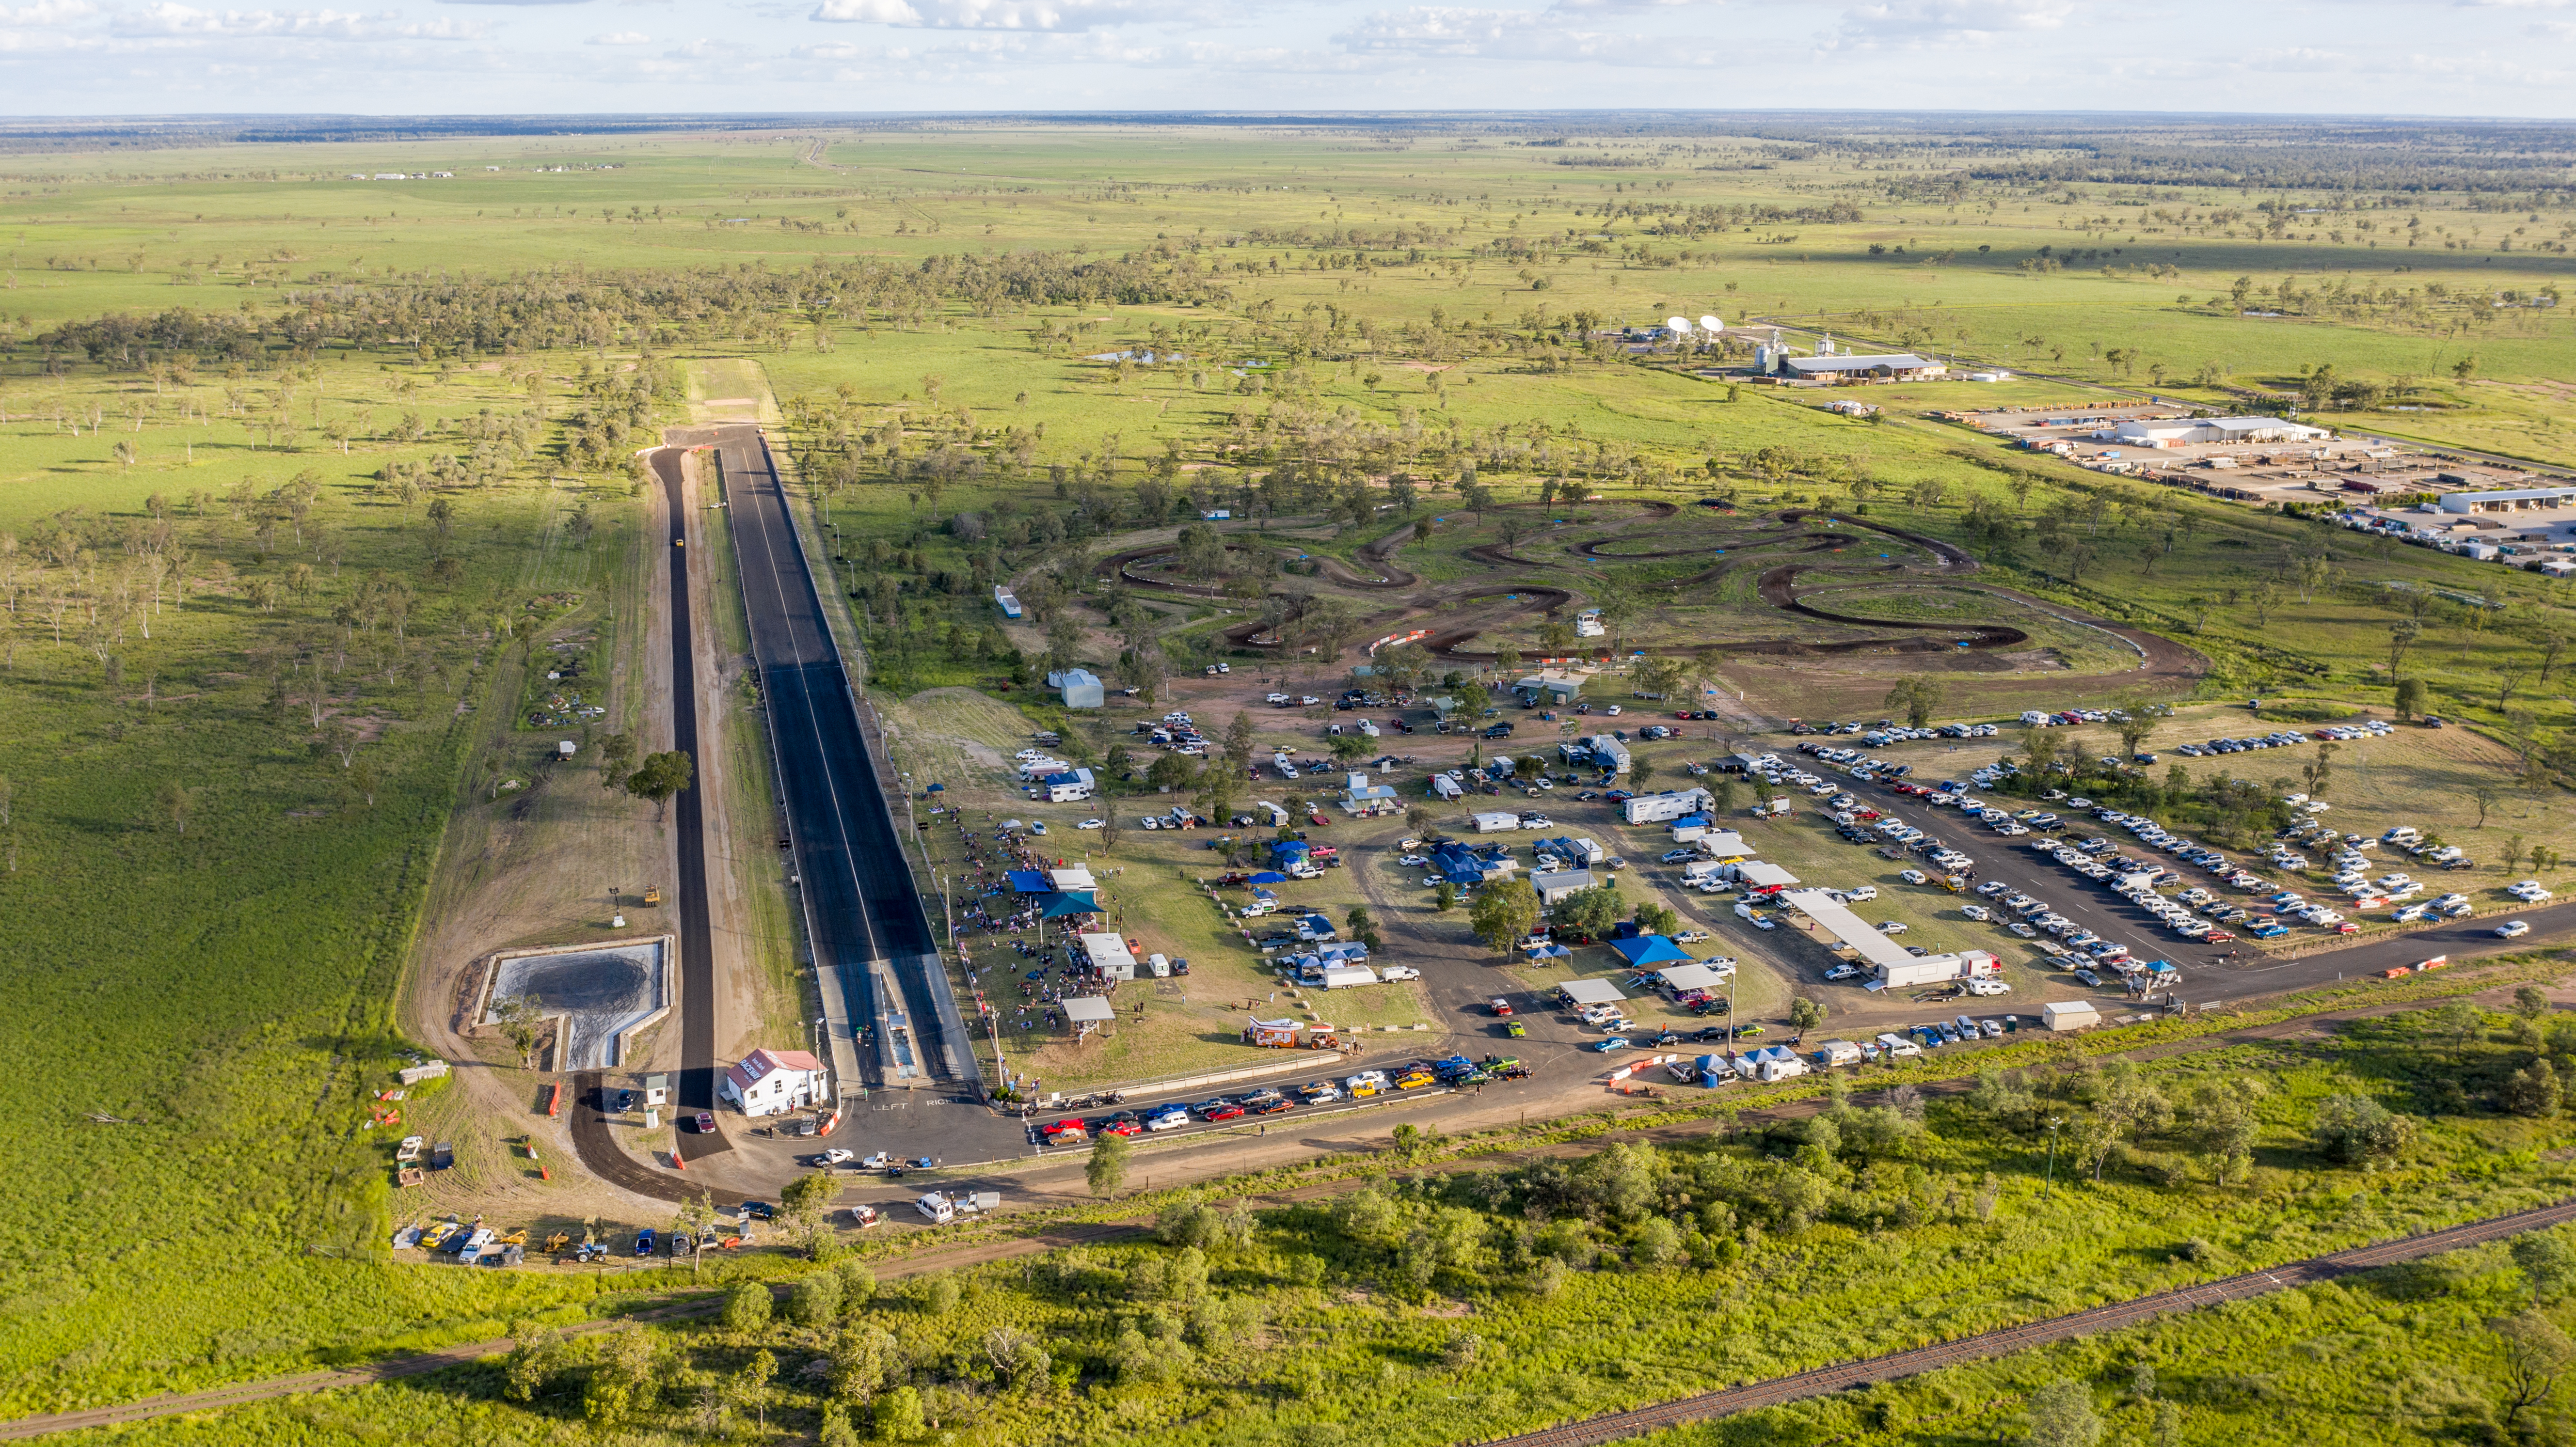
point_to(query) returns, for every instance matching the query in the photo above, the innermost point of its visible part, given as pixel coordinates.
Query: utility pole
(2051, 1188)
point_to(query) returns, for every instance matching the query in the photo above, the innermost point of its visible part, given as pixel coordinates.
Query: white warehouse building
(2508, 499)
(2177, 432)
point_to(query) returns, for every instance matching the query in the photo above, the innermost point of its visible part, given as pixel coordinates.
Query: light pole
(2051, 1188)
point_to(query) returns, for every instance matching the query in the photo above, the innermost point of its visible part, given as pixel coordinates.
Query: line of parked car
(2285, 738)
(1453, 1070)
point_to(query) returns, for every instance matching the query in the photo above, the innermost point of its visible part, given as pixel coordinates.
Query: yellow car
(1413, 1080)
(1367, 1082)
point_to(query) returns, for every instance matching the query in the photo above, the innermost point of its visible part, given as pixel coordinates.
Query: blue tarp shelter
(1030, 881)
(1646, 950)
(1076, 901)
(1269, 876)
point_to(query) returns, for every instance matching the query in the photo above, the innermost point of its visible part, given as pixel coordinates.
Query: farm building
(1894, 366)
(1079, 687)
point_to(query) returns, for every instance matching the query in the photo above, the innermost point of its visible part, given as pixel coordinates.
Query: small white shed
(2069, 1014)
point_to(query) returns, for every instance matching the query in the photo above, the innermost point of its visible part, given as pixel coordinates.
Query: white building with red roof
(769, 1082)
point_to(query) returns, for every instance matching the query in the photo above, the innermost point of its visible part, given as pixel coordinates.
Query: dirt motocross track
(1786, 586)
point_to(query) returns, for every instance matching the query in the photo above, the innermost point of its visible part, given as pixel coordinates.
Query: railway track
(1845, 1376)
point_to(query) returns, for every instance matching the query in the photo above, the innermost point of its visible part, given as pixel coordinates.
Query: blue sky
(2414, 57)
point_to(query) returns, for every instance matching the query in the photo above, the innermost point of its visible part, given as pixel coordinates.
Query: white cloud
(1461, 33)
(169, 20)
(47, 13)
(1040, 15)
(622, 37)
(1946, 22)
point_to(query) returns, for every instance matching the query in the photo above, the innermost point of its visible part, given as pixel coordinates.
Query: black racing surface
(697, 940)
(860, 897)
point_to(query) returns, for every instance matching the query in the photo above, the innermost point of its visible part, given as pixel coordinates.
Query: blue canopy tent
(1030, 881)
(1072, 901)
(1549, 952)
(1269, 876)
(1651, 950)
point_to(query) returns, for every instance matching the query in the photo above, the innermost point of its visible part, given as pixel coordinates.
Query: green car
(1516, 1030)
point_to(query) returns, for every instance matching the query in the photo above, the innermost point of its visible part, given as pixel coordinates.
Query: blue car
(644, 1242)
(1170, 1117)
(1615, 1042)
(2271, 932)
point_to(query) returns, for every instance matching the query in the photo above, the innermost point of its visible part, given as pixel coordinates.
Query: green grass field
(1430, 1308)
(291, 465)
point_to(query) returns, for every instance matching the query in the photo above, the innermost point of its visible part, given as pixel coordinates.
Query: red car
(1121, 1124)
(1272, 1105)
(1220, 1110)
(1502, 1006)
(1681, 713)
(1065, 1133)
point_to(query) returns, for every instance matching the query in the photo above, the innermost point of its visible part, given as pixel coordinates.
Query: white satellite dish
(1711, 324)
(1678, 325)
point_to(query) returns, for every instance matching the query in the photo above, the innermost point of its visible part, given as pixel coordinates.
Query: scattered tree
(806, 1204)
(1503, 914)
(659, 777)
(1917, 697)
(1106, 1171)
(2062, 1415)
(2536, 1354)
(522, 1019)
(2351, 1129)
(746, 1306)
(2547, 1263)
